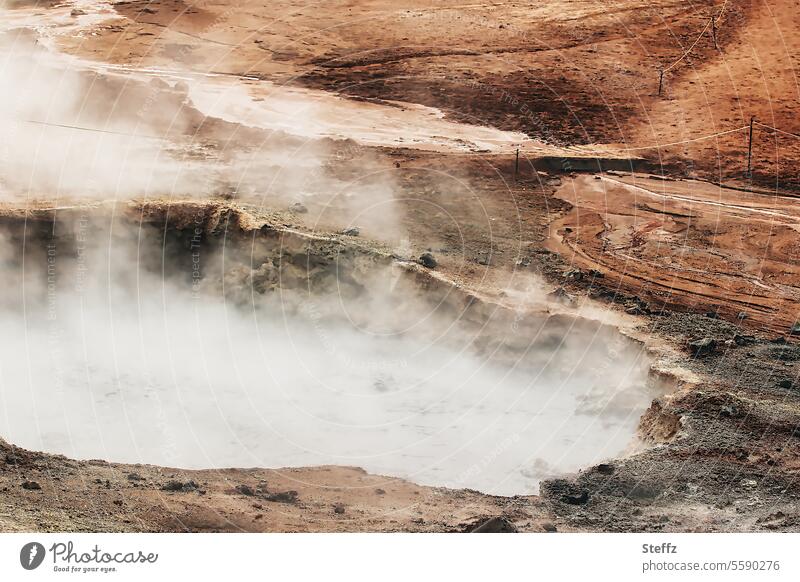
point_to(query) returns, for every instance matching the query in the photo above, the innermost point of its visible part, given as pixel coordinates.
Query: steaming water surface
(160, 377)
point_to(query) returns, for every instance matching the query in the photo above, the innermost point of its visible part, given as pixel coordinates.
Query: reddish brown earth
(687, 245)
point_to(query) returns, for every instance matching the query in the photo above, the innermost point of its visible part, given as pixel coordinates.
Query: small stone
(729, 411)
(428, 261)
(31, 485)
(560, 294)
(179, 486)
(703, 346)
(795, 330)
(299, 208)
(786, 383)
(338, 508)
(245, 490)
(580, 499)
(380, 491)
(744, 340)
(135, 477)
(352, 231)
(485, 260)
(549, 527)
(283, 497)
(741, 315)
(605, 469)
(495, 525)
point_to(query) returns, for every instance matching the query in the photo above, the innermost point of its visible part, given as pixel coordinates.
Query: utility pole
(660, 81)
(516, 166)
(714, 30)
(750, 147)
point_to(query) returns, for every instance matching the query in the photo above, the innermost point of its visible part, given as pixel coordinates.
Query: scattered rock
(633, 309)
(283, 497)
(549, 527)
(352, 231)
(338, 508)
(560, 294)
(245, 490)
(730, 411)
(427, 260)
(380, 491)
(786, 383)
(77, 12)
(785, 353)
(299, 208)
(795, 329)
(135, 477)
(703, 346)
(485, 260)
(744, 340)
(605, 469)
(31, 485)
(179, 486)
(741, 316)
(495, 525)
(712, 315)
(580, 499)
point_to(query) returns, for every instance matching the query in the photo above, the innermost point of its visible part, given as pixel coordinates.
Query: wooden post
(714, 30)
(750, 148)
(516, 166)
(660, 81)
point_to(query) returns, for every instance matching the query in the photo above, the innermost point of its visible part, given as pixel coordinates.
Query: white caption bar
(354, 557)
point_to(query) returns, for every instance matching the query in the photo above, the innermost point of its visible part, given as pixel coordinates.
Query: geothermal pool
(145, 372)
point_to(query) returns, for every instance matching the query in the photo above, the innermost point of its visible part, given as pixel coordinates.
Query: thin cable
(92, 129)
(776, 129)
(694, 44)
(701, 138)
